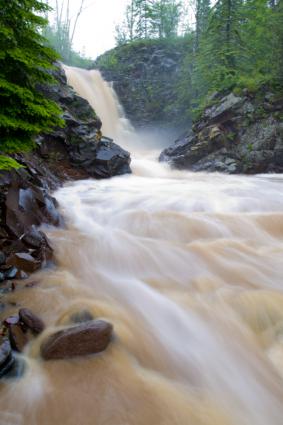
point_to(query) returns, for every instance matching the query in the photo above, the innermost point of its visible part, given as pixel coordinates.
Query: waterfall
(188, 269)
(101, 96)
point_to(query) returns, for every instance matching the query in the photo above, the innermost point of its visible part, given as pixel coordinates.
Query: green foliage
(25, 61)
(149, 19)
(7, 163)
(241, 48)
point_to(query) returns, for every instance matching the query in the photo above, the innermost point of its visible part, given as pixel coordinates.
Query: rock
(24, 261)
(234, 135)
(31, 321)
(222, 109)
(103, 159)
(150, 74)
(8, 286)
(11, 273)
(18, 338)
(111, 160)
(6, 357)
(2, 258)
(11, 320)
(84, 339)
(34, 238)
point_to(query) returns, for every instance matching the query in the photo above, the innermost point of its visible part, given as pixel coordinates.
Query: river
(188, 268)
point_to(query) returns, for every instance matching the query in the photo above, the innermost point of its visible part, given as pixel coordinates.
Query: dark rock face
(86, 338)
(237, 134)
(150, 74)
(24, 204)
(75, 151)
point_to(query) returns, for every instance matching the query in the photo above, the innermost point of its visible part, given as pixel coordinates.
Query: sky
(95, 32)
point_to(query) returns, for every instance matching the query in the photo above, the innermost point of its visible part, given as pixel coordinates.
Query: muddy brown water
(188, 268)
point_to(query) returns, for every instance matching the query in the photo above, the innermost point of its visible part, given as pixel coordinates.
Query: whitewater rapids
(188, 268)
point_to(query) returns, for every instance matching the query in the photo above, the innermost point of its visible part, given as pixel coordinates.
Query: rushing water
(188, 267)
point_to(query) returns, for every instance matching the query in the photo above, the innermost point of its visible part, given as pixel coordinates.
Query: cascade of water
(101, 96)
(188, 268)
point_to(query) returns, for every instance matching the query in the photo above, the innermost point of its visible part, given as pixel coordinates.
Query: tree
(149, 19)
(202, 12)
(164, 18)
(25, 61)
(221, 49)
(61, 34)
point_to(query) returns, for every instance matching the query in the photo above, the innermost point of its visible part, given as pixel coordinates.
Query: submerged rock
(81, 317)
(86, 338)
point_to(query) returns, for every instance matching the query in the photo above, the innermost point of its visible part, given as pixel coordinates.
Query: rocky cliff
(146, 77)
(235, 134)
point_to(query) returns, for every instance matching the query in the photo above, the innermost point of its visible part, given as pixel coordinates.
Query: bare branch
(76, 21)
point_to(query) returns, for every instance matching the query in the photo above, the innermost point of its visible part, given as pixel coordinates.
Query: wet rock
(21, 275)
(34, 238)
(18, 338)
(149, 74)
(24, 261)
(7, 286)
(17, 368)
(101, 159)
(84, 339)
(111, 160)
(2, 258)
(236, 134)
(11, 320)
(31, 321)
(6, 357)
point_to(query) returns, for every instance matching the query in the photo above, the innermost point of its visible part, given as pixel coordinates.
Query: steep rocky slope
(235, 134)
(75, 151)
(146, 76)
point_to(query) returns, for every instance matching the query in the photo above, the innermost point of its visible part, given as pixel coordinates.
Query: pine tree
(25, 61)
(221, 49)
(202, 16)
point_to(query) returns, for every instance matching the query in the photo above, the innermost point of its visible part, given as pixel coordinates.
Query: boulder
(31, 321)
(101, 159)
(84, 339)
(18, 338)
